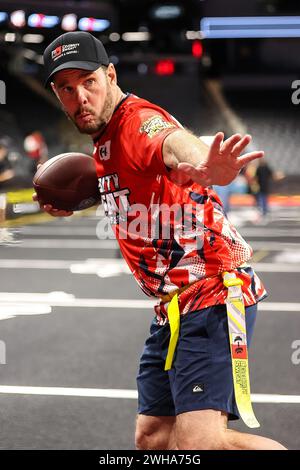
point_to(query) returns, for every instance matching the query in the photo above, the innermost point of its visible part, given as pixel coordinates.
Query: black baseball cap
(74, 50)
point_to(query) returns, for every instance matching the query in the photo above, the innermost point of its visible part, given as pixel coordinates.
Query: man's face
(86, 97)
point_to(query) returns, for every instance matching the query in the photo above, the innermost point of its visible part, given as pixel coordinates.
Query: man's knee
(202, 442)
(155, 432)
(202, 430)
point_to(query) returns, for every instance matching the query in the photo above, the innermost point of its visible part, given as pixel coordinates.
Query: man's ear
(111, 73)
(57, 96)
(54, 90)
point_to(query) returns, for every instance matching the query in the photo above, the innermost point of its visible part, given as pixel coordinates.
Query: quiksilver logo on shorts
(198, 388)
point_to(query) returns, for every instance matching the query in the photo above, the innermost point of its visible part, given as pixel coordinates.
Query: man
(36, 149)
(144, 157)
(263, 176)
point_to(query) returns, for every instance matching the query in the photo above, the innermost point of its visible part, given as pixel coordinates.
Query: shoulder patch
(154, 125)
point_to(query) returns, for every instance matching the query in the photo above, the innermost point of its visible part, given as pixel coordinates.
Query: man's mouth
(85, 117)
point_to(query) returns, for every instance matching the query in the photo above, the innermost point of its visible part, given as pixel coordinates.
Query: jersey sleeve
(143, 134)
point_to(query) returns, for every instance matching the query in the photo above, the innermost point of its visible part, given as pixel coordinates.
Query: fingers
(215, 147)
(35, 198)
(50, 209)
(56, 212)
(196, 174)
(241, 145)
(179, 177)
(230, 143)
(59, 213)
(248, 157)
(186, 167)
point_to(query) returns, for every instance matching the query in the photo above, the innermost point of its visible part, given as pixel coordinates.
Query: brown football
(68, 182)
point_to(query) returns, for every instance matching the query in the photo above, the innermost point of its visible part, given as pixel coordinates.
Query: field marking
(74, 265)
(63, 299)
(61, 230)
(273, 398)
(91, 231)
(269, 232)
(259, 255)
(273, 246)
(64, 243)
(70, 392)
(279, 307)
(122, 393)
(276, 267)
(92, 265)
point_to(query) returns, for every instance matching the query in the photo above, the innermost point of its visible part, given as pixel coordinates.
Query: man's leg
(259, 200)
(155, 432)
(207, 430)
(202, 384)
(155, 424)
(265, 204)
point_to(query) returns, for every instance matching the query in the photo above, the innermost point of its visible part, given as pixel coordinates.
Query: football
(67, 182)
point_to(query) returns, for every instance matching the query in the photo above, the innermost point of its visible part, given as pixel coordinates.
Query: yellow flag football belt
(238, 344)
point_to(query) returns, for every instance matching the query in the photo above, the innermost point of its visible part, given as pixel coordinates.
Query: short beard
(100, 121)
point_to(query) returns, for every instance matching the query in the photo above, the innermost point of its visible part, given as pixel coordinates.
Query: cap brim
(77, 64)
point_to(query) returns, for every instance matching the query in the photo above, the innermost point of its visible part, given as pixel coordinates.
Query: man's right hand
(51, 210)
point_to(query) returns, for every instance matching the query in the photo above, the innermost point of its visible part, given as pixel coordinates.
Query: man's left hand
(223, 162)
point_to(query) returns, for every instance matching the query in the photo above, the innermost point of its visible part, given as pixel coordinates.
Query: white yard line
(70, 392)
(64, 243)
(273, 246)
(63, 299)
(122, 393)
(276, 267)
(79, 266)
(63, 230)
(269, 232)
(81, 244)
(59, 264)
(248, 232)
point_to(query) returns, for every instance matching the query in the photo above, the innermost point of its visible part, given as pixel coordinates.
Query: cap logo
(56, 53)
(64, 50)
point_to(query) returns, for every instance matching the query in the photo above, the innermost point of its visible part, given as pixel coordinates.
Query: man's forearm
(6, 175)
(182, 146)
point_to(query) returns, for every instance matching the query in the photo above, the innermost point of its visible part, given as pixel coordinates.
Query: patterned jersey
(170, 235)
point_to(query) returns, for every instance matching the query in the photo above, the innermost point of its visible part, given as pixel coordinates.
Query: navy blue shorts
(201, 376)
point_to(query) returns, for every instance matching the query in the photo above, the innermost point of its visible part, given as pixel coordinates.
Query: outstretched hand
(223, 162)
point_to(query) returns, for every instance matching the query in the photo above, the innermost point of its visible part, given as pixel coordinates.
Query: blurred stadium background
(212, 74)
(215, 65)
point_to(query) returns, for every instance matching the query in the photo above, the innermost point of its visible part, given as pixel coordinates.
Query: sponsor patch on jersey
(154, 125)
(104, 151)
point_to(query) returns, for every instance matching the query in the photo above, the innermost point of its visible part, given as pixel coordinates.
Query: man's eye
(67, 89)
(89, 81)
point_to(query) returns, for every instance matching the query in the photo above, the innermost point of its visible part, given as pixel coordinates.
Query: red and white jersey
(195, 244)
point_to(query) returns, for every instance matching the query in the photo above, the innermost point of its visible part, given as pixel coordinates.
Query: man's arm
(6, 175)
(218, 163)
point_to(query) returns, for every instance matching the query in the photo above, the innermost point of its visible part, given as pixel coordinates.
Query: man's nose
(81, 96)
